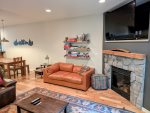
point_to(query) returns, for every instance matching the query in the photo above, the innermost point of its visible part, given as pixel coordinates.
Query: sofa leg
(18, 109)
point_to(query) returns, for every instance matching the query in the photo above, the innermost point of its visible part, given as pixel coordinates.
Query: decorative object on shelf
(2, 36)
(47, 58)
(23, 42)
(77, 58)
(67, 46)
(77, 55)
(72, 40)
(76, 47)
(82, 37)
(78, 38)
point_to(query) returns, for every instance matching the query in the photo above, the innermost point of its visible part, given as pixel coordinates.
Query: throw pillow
(77, 69)
(1, 81)
(84, 69)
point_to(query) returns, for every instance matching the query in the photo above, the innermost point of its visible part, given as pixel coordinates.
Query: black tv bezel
(124, 40)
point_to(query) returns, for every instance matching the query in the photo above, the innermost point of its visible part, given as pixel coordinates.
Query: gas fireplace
(127, 73)
(120, 81)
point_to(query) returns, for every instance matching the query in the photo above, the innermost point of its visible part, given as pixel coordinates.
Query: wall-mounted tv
(129, 22)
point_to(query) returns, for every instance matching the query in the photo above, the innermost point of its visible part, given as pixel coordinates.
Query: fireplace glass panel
(120, 82)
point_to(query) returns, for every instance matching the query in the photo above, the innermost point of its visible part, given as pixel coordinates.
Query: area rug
(76, 105)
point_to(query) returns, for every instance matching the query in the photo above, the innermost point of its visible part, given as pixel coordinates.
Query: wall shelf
(77, 49)
(78, 58)
(83, 42)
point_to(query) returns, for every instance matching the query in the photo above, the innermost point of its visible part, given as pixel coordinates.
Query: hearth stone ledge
(137, 68)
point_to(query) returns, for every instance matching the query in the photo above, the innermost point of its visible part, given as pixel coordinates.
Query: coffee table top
(47, 105)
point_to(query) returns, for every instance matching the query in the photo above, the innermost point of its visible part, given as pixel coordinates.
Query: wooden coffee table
(47, 105)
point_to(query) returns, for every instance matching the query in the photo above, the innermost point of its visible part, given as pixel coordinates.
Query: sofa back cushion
(53, 68)
(77, 69)
(66, 67)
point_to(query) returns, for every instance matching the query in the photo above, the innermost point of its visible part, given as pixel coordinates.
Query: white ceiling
(28, 11)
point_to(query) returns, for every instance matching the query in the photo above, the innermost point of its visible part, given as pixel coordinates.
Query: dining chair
(28, 68)
(16, 66)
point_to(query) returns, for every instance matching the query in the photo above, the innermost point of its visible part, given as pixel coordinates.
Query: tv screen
(128, 22)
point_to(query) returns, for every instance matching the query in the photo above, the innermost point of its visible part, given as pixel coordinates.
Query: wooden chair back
(18, 62)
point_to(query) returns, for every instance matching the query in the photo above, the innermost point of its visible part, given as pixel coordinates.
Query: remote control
(36, 102)
(37, 99)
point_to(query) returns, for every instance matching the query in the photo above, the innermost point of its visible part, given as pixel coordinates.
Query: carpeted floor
(76, 105)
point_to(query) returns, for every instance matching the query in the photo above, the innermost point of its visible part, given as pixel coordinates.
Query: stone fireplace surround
(133, 62)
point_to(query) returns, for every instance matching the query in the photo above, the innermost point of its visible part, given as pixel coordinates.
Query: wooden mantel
(124, 54)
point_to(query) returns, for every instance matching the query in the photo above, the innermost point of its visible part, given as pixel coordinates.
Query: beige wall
(48, 39)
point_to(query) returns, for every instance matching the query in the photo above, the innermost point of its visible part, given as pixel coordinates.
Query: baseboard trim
(145, 110)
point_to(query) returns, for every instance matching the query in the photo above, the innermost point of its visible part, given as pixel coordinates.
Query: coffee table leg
(18, 109)
(65, 110)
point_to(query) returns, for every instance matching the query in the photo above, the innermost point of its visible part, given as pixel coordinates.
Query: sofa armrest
(51, 69)
(87, 76)
(7, 95)
(9, 82)
(47, 71)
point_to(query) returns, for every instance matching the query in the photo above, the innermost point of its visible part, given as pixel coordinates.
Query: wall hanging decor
(23, 42)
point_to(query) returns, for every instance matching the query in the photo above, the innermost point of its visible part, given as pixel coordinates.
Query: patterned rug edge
(95, 106)
(78, 98)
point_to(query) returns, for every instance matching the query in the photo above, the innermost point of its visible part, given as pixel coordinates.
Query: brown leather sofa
(67, 74)
(7, 93)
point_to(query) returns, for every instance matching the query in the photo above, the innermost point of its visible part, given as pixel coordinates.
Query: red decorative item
(66, 46)
(1, 81)
(72, 40)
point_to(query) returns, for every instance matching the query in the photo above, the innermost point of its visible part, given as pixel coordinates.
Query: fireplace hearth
(120, 82)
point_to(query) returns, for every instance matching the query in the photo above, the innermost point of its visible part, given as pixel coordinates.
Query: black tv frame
(128, 38)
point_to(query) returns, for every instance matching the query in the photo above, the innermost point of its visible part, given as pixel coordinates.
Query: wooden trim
(123, 54)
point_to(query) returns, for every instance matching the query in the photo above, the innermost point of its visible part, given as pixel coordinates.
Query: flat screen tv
(128, 22)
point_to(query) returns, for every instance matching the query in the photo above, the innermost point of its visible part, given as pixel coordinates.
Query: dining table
(7, 62)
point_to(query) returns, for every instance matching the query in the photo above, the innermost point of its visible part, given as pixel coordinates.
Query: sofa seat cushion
(67, 77)
(73, 78)
(59, 75)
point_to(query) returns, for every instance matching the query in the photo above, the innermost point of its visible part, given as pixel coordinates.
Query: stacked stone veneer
(137, 68)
